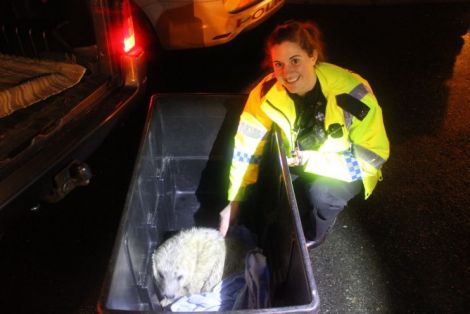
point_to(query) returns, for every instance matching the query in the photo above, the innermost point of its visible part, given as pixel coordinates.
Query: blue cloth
(243, 235)
(221, 298)
(255, 293)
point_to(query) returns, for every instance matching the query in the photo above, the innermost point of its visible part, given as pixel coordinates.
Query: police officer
(332, 124)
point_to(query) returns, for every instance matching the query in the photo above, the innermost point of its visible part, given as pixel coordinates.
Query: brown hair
(306, 34)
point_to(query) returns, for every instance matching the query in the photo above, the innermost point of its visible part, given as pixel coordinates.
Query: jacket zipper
(287, 119)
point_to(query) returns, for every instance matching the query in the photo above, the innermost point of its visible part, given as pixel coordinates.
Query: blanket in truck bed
(25, 81)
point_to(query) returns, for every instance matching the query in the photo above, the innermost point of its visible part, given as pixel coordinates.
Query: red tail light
(128, 28)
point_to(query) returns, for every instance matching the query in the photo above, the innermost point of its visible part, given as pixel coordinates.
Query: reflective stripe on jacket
(359, 153)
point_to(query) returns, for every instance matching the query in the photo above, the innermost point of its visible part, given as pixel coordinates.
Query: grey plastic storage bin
(180, 180)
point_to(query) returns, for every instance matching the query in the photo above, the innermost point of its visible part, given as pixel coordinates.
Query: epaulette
(352, 105)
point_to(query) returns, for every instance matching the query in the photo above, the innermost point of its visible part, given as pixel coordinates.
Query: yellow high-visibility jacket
(359, 153)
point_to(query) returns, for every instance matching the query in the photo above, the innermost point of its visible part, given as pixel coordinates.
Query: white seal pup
(194, 261)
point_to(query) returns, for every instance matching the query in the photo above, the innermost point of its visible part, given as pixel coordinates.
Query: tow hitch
(75, 174)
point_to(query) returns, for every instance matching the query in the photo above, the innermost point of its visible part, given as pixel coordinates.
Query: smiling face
(293, 67)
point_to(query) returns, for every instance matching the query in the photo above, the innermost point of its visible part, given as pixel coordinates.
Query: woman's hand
(296, 159)
(227, 216)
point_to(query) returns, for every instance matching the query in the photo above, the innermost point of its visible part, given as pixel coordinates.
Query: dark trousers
(320, 200)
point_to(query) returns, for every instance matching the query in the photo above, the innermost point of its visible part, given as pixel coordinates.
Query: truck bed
(19, 129)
